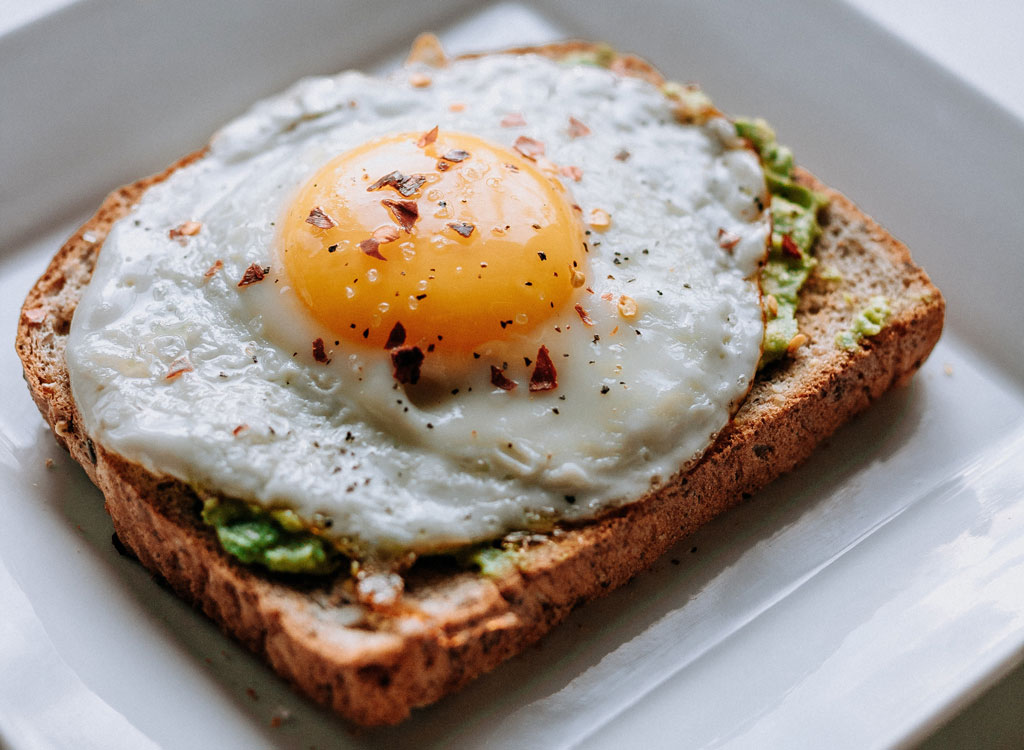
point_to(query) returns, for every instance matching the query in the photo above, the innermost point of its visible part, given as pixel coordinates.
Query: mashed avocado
(491, 562)
(601, 55)
(276, 539)
(868, 322)
(794, 230)
(279, 541)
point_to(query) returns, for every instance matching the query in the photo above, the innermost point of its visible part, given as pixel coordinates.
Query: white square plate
(855, 603)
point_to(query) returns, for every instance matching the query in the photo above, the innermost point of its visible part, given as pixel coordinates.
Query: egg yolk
(459, 240)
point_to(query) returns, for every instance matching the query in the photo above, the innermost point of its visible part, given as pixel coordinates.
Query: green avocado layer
(868, 322)
(489, 561)
(276, 539)
(795, 228)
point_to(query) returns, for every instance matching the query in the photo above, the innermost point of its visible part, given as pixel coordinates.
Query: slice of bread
(454, 624)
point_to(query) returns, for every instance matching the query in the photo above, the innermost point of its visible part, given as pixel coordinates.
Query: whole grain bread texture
(453, 624)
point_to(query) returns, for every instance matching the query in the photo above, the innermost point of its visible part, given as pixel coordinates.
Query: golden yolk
(460, 240)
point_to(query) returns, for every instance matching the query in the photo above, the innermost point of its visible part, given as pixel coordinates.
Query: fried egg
(433, 307)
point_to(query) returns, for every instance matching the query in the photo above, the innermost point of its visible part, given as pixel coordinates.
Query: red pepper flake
(369, 246)
(727, 240)
(241, 428)
(623, 155)
(406, 185)
(35, 315)
(513, 120)
(456, 155)
(411, 184)
(319, 218)
(607, 296)
(442, 166)
(178, 367)
(427, 138)
(790, 248)
(529, 147)
(599, 219)
(498, 380)
(463, 228)
(427, 50)
(577, 129)
(407, 361)
(405, 212)
(217, 265)
(253, 273)
(186, 229)
(396, 338)
(587, 320)
(385, 233)
(544, 377)
(392, 179)
(419, 80)
(574, 172)
(319, 352)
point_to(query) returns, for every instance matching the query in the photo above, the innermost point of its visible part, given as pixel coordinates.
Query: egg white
(422, 468)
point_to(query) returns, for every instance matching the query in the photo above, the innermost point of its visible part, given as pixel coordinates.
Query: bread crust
(455, 625)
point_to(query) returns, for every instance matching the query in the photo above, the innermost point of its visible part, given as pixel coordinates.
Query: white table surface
(982, 42)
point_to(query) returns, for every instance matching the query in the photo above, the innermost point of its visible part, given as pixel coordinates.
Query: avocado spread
(491, 562)
(868, 322)
(280, 541)
(276, 539)
(601, 55)
(795, 228)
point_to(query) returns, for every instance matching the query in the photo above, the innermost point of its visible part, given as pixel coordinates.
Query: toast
(455, 624)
